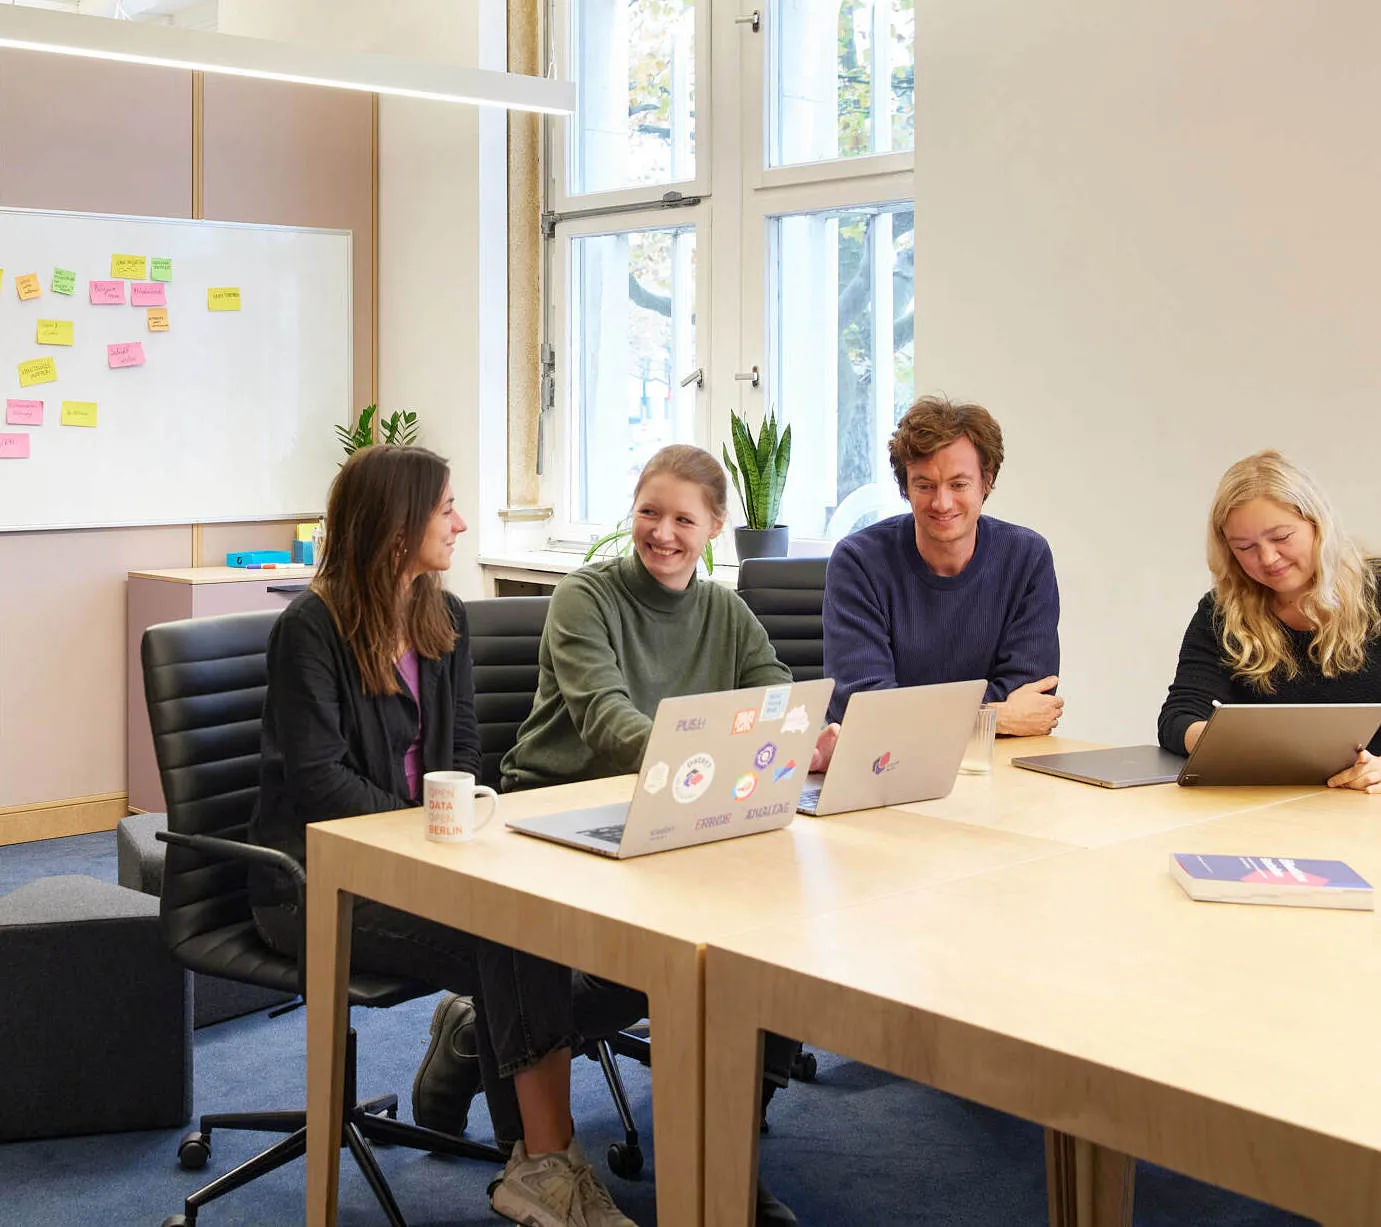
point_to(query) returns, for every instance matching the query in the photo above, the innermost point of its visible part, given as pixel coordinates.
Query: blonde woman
(1292, 617)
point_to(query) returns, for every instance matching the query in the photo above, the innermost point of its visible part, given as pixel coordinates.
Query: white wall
(1146, 239)
(442, 236)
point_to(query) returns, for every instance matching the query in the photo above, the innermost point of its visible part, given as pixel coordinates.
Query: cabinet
(168, 596)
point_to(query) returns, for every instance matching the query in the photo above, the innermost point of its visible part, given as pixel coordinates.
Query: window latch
(753, 19)
(750, 376)
(696, 377)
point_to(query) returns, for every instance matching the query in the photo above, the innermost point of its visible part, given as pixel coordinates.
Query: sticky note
(223, 298)
(14, 447)
(64, 281)
(54, 332)
(161, 269)
(79, 413)
(23, 413)
(131, 268)
(107, 293)
(148, 294)
(158, 319)
(27, 287)
(128, 353)
(37, 370)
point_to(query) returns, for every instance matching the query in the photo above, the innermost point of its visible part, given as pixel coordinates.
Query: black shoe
(449, 1076)
(771, 1212)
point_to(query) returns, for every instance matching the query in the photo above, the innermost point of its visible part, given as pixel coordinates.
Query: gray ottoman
(95, 1025)
(139, 859)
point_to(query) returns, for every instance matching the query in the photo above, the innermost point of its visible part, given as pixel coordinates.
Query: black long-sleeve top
(331, 751)
(1202, 675)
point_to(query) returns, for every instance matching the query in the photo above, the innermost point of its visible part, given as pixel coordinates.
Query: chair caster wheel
(192, 1153)
(178, 1220)
(804, 1067)
(625, 1161)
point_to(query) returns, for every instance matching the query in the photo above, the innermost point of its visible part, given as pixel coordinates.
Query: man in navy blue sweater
(945, 593)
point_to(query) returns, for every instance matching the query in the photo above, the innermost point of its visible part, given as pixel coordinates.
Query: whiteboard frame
(203, 223)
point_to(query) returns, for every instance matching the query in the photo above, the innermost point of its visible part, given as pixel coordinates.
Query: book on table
(1282, 880)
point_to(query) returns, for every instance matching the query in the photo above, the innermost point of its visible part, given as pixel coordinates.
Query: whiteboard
(231, 415)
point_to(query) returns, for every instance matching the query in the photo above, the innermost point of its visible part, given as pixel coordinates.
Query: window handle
(753, 19)
(696, 377)
(749, 376)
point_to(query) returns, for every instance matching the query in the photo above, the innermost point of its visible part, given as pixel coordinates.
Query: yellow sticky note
(306, 532)
(37, 370)
(130, 268)
(27, 286)
(223, 298)
(54, 332)
(79, 413)
(158, 319)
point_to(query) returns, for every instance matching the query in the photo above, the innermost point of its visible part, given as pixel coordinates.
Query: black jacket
(331, 751)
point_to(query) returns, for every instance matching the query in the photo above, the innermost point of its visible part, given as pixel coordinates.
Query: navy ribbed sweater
(891, 621)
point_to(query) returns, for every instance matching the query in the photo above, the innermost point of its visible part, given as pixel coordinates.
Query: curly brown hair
(934, 422)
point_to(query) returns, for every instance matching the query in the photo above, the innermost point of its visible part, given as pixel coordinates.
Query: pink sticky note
(107, 293)
(148, 294)
(23, 413)
(129, 353)
(14, 447)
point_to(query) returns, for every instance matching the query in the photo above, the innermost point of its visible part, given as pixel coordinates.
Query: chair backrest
(505, 633)
(788, 594)
(204, 682)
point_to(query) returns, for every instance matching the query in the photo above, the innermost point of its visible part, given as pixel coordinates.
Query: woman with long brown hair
(1292, 616)
(371, 686)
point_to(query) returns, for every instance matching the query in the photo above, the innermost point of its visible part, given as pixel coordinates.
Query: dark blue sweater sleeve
(857, 631)
(1030, 645)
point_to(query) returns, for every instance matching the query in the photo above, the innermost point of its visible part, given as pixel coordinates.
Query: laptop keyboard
(606, 835)
(810, 798)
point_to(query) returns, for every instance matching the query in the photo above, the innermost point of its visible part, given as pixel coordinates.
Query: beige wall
(1146, 238)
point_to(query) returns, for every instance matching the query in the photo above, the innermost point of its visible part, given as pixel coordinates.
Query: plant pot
(762, 542)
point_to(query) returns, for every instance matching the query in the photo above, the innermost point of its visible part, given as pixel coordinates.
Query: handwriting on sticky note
(64, 281)
(158, 319)
(14, 447)
(131, 268)
(127, 353)
(23, 413)
(27, 287)
(148, 294)
(37, 370)
(54, 332)
(223, 298)
(79, 413)
(161, 268)
(107, 293)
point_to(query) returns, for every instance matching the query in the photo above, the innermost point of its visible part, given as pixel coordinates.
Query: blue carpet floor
(856, 1147)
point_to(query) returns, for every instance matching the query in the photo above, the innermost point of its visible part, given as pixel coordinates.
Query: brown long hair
(934, 422)
(376, 515)
(1340, 602)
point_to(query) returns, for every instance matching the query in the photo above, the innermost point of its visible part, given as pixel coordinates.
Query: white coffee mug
(450, 800)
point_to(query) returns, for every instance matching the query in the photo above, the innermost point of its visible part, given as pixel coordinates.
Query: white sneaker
(554, 1190)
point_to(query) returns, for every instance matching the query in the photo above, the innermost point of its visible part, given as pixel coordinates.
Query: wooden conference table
(647, 922)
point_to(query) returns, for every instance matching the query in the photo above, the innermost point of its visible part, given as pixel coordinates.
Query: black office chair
(505, 633)
(204, 681)
(788, 594)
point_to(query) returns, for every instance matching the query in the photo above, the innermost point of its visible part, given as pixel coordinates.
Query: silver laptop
(896, 746)
(1120, 767)
(1279, 743)
(716, 766)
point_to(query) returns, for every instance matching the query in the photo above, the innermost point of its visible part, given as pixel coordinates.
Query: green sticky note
(161, 268)
(64, 281)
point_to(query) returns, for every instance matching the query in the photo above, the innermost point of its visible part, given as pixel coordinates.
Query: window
(731, 235)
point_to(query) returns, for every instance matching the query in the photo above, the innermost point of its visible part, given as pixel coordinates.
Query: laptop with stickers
(896, 746)
(717, 766)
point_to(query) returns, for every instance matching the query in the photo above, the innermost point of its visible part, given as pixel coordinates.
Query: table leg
(676, 1014)
(329, 915)
(733, 1096)
(1087, 1185)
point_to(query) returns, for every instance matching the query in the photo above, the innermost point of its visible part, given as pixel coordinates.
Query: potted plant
(759, 478)
(399, 429)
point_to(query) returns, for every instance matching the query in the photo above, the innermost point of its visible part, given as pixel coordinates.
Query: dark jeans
(527, 1001)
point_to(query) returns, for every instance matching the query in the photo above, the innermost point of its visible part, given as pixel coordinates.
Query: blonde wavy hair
(1341, 602)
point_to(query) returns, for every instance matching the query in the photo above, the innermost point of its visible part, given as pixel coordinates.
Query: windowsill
(519, 564)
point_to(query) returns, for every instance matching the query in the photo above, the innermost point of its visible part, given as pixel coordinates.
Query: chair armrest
(234, 850)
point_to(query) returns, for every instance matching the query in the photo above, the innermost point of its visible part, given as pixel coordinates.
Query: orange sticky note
(158, 319)
(26, 286)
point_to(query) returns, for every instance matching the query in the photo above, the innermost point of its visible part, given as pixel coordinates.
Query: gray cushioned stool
(139, 859)
(96, 1021)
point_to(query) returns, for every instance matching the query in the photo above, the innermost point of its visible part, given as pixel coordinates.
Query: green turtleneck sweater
(617, 643)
